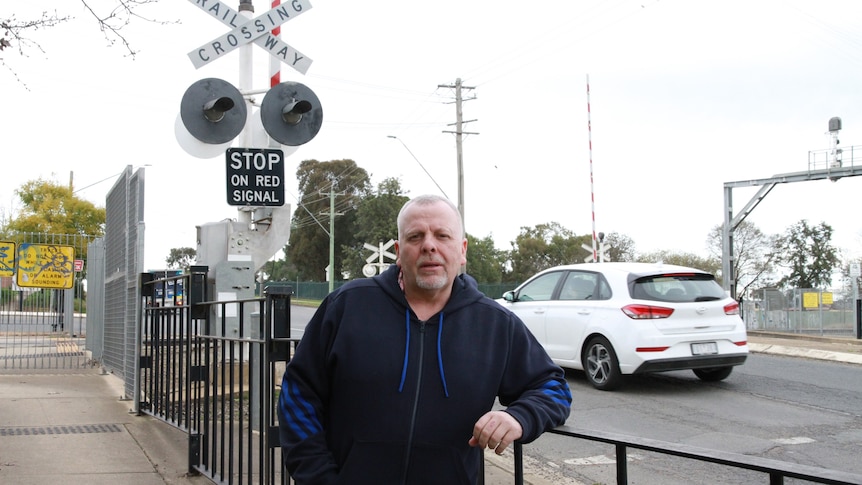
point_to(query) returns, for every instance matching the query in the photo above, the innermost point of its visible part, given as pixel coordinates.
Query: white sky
(685, 95)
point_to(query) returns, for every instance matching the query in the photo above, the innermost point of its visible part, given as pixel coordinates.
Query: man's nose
(429, 244)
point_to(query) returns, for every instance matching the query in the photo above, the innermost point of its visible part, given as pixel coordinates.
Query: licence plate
(704, 348)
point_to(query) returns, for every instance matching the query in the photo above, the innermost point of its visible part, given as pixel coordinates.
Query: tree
(754, 255)
(51, 208)
(375, 223)
(319, 182)
(180, 258)
(710, 265)
(485, 262)
(619, 247)
(807, 252)
(542, 247)
(111, 20)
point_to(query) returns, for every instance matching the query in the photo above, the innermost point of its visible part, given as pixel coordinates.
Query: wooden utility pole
(459, 123)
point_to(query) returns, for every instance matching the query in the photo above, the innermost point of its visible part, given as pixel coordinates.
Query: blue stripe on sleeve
(298, 412)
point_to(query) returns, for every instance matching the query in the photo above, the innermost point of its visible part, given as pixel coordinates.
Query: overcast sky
(685, 95)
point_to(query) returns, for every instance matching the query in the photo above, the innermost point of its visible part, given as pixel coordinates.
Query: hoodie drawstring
(406, 351)
(439, 354)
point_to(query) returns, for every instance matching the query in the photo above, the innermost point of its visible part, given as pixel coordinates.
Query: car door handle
(539, 311)
(584, 311)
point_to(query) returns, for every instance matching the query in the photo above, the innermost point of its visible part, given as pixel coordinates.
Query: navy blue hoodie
(373, 395)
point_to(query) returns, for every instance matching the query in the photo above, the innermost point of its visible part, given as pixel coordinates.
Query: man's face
(430, 248)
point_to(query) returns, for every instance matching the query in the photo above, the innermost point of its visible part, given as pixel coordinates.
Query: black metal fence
(773, 471)
(218, 385)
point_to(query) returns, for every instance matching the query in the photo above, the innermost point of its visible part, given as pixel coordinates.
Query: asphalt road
(785, 408)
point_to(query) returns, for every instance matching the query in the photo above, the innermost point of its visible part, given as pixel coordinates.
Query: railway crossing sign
(257, 30)
(379, 253)
(603, 254)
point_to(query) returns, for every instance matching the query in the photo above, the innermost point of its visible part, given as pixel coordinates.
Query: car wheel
(713, 374)
(600, 364)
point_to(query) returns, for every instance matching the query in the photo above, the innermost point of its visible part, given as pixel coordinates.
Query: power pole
(332, 214)
(459, 132)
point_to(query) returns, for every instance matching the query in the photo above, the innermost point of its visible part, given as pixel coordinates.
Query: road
(783, 408)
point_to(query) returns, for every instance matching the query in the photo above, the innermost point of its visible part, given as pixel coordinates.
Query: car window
(579, 285)
(684, 287)
(605, 292)
(541, 288)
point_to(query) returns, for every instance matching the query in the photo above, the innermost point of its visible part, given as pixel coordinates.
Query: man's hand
(496, 430)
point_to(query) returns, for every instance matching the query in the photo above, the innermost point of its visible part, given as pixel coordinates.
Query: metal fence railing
(770, 471)
(219, 387)
(803, 311)
(43, 319)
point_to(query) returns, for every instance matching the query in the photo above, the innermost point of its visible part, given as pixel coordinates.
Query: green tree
(180, 258)
(710, 265)
(485, 262)
(542, 247)
(620, 247)
(807, 252)
(52, 208)
(376, 222)
(319, 182)
(754, 257)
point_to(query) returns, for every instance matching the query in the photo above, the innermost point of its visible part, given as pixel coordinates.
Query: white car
(611, 319)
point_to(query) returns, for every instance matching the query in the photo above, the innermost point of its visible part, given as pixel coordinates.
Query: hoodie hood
(465, 290)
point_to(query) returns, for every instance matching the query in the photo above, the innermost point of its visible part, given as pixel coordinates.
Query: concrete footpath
(71, 427)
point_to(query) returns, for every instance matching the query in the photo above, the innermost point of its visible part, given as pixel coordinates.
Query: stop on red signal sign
(255, 176)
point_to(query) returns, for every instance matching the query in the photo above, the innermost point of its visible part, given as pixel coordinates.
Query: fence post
(198, 292)
(858, 319)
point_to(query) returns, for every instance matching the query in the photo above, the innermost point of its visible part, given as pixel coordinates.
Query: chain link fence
(802, 310)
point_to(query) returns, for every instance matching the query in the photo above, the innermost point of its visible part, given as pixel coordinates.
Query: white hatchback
(611, 319)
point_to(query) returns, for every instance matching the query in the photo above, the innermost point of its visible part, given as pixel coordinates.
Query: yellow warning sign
(46, 266)
(7, 258)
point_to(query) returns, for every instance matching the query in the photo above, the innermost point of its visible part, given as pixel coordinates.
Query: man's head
(431, 247)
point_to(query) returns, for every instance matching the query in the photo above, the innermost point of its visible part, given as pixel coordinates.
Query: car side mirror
(509, 296)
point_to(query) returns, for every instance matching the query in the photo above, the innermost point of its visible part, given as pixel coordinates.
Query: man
(396, 375)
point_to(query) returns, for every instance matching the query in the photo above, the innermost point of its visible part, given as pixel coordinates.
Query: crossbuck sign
(257, 30)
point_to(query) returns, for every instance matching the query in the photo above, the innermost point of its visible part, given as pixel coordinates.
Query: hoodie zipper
(415, 402)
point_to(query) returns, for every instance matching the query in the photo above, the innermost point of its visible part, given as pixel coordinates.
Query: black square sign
(255, 176)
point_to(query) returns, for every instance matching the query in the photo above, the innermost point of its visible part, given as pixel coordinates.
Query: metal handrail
(776, 470)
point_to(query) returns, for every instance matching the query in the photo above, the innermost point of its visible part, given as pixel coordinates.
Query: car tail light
(651, 349)
(731, 308)
(639, 312)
